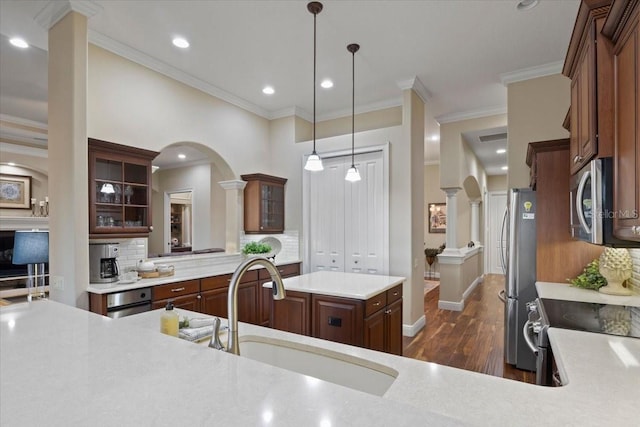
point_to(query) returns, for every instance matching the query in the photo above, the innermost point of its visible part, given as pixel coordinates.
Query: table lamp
(32, 248)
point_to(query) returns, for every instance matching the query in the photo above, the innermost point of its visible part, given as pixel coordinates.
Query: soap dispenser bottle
(169, 321)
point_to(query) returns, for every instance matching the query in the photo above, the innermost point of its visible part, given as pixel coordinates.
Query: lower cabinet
(375, 323)
(266, 296)
(185, 295)
(292, 314)
(214, 293)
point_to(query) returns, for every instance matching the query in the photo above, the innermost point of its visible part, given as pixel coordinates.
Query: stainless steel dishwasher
(126, 303)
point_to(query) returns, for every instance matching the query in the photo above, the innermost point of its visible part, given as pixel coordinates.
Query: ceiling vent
(492, 138)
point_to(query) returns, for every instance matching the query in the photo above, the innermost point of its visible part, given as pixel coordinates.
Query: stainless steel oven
(546, 313)
(126, 303)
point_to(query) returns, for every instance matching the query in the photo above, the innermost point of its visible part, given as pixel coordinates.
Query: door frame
(166, 232)
(488, 235)
(306, 211)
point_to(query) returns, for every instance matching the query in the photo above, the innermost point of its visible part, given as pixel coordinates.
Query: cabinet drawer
(394, 294)
(172, 290)
(222, 281)
(376, 303)
(285, 271)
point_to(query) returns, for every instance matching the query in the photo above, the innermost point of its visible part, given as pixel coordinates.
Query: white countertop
(566, 292)
(85, 369)
(339, 284)
(181, 274)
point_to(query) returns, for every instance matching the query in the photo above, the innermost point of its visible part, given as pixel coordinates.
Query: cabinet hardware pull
(177, 289)
(199, 296)
(281, 271)
(377, 303)
(577, 159)
(395, 294)
(387, 311)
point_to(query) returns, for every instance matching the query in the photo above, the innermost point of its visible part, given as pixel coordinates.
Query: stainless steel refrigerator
(519, 263)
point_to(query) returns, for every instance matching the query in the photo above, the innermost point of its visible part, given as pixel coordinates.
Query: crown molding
(54, 11)
(19, 121)
(138, 57)
(531, 73)
(234, 184)
(472, 114)
(375, 106)
(291, 111)
(416, 84)
(26, 150)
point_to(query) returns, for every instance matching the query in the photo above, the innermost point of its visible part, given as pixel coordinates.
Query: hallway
(472, 339)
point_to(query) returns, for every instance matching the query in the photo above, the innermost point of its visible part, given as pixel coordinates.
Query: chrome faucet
(232, 301)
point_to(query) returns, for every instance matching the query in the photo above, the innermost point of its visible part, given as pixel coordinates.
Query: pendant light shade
(314, 162)
(352, 174)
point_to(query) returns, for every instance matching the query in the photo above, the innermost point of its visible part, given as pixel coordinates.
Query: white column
(475, 221)
(452, 220)
(234, 213)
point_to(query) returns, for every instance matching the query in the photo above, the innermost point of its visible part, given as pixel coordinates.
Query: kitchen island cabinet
(356, 309)
(623, 27)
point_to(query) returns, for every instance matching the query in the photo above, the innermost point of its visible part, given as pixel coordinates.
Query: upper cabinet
(263, 204)
(119, 190)
(623, 28)
(589, 65)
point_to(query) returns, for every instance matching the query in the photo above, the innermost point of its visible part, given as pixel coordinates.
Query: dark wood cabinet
(589, 65)
(263, 204)
(623, 27)
(338, 319)
(185, 294)
(119, 190)
(292, 314)
(266, 296)
(214, 296)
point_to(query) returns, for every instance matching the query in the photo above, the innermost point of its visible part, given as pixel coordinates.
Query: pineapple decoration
(615, 266)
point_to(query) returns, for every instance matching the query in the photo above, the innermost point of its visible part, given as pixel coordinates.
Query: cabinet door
(338, 319)
(627, 143)
(186, 302)
(271, 208)
(375, 331)
(583, 144)
(264, 306)
(214, 302)
(393, 328)
(293, 314)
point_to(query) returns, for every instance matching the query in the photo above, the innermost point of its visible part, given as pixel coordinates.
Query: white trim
(25, 150)
(531, 73)
(487, 234)
(23, 122)
(375, 106)
(154, 64)
(291, 111)
(450, 305)
(24, 223)
(418, 87)
(471, 114)
(412, 330)
(54, 11)
(235, 184)
(472, 286)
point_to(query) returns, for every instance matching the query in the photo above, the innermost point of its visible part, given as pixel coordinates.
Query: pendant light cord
(353, 106)
(315, 15)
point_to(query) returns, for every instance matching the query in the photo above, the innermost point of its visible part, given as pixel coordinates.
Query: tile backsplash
(635, 275)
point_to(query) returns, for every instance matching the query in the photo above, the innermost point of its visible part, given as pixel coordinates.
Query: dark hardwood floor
(472, 339)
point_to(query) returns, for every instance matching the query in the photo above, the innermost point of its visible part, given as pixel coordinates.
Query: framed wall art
(15, 191)
(437, 217)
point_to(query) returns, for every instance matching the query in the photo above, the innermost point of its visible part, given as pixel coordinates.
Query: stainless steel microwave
(591, 199)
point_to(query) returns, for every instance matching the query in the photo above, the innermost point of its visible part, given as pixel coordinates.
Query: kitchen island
(78, 368)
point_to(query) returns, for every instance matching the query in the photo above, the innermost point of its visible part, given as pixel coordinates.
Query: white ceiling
(457, 49)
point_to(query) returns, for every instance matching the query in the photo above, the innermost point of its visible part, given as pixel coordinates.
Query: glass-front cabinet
(119, 190)
(263, 203)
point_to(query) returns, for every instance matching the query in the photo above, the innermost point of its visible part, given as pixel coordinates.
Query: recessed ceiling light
(180, 42)
(182, 156)
(501, 151)
(18, 42)
(504, 168)
(268, 90)
(435, 137)
(11, 164)
(327, 84)
(527, 4)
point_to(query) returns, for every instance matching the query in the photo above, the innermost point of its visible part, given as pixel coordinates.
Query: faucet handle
(215, 338)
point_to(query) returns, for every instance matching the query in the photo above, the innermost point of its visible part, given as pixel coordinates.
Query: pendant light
(352, 174)
(314, 162)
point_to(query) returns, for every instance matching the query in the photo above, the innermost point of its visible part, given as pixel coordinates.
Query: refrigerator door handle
(528, 326)
(502, 232)
(501, 296)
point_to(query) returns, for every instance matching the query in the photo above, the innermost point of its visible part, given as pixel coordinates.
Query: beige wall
(132, 105)
(379, 119)
(536, 110)
(497, 183)
(432, 194)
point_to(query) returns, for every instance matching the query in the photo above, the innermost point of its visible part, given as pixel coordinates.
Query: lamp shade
(30, 247)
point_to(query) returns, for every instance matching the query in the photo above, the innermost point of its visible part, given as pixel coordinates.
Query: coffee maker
(103, 263)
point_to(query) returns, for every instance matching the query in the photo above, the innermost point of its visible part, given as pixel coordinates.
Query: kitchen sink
(338, 368)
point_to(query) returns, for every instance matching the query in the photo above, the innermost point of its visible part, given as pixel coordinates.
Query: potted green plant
(590, 277)
(256, 248)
